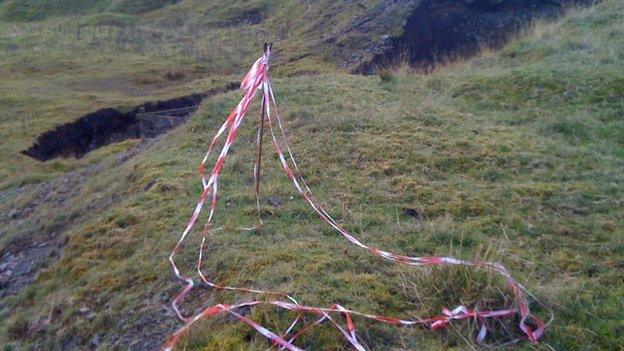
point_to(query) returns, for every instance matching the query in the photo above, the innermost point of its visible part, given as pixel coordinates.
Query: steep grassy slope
(516, 156)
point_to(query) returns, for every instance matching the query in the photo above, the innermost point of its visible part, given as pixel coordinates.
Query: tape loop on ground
(257, 79)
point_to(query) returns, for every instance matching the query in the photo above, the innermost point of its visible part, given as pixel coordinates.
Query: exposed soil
(19, 269)
(37, 245)
(442, 30)
(111, 125)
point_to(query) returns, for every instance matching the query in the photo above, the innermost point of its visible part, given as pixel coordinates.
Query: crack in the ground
(109, 125)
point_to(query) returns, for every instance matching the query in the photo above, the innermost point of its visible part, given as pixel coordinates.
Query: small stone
(414, 212)
(149, 185)
(123, 158)
(275, 201)
(95, 341)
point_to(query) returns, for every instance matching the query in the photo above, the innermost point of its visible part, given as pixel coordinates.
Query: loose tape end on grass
(257, 79)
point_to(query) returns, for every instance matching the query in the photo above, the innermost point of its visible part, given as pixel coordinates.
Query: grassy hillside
(73, 65)
(31, 10)
(516, 156)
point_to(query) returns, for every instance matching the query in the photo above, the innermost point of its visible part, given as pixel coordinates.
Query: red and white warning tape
(258, 79)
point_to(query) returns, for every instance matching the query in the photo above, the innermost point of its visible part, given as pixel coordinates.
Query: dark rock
(275, 201)
(14, 214)
(441, 30)
(414, 212)
(149, 185)
(96, 340)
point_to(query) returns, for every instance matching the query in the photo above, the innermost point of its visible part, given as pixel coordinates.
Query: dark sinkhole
(110, 125)
(442, 30)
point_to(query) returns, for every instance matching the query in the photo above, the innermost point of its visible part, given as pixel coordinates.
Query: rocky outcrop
(439, 30)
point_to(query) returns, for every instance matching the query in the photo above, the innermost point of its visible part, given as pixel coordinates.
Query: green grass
(516, 157)
(32, 10)
(59, 68)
